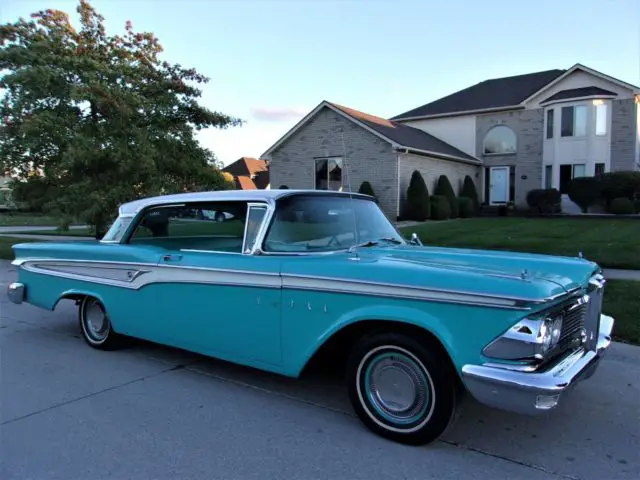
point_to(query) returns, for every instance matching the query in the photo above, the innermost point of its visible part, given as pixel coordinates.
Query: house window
(500, 140)
(599, 169)
(548, 176)
(601, 117)
(328, 174)
(573, 121)
(550, 123)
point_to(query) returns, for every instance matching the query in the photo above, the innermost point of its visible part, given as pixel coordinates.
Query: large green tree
(91, 120)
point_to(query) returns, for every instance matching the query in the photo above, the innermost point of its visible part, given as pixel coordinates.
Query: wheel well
(335, 351)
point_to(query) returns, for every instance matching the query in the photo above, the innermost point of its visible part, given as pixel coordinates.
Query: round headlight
(545, 336)
(556, 330)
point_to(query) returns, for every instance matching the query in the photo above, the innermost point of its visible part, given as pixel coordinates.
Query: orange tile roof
(245, 183)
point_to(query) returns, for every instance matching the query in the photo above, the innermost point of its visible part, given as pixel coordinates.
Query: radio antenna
(354, 247)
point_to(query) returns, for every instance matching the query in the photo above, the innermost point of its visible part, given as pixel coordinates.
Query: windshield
(319, 223)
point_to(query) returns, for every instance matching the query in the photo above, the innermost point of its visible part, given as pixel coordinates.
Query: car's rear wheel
(402, 389)
(96, 326)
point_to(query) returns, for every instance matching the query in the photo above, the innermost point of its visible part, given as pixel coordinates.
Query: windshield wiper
(373, 243)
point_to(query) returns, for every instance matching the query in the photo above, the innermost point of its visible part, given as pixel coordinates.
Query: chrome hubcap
(397, 388)
(96, 322)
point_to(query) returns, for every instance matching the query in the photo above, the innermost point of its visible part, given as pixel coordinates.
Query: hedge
(418, 204)
(366, 189)
(466, 207)
(469, 191)
(584, 192)
(622, 206)
(619, 184)
(440, 207)
(544, 200)
(444, 188)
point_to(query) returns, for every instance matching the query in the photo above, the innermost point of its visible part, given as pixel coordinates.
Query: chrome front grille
(572, 324)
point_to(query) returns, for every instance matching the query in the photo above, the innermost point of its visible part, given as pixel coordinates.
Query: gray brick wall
(528, 126)
(431, 169)
(368, 158)
(624, 133)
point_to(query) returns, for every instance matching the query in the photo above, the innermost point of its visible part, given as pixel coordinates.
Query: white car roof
(132, 208)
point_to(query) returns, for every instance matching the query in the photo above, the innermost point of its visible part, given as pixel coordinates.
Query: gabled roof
(244, 183)
(246, 166)
(507, 92)
(580, 93)
(399, 135)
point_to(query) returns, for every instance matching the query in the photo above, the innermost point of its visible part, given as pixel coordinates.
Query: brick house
(510, 135)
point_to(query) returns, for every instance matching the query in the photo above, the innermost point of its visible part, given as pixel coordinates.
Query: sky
(271, 62)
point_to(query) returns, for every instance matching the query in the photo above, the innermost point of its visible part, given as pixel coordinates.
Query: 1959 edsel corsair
(284, 275)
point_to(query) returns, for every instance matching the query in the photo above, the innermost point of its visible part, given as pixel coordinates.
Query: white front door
(498, 185)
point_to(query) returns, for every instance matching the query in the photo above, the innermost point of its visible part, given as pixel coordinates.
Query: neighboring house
(511, 135)
(249, 173)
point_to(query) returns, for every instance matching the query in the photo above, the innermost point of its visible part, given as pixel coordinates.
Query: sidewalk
(618, 274)
(8, 229)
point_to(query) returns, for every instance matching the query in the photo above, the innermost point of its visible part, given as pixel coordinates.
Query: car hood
(483, 271)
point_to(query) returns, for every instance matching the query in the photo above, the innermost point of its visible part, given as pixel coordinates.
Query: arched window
(500, 140)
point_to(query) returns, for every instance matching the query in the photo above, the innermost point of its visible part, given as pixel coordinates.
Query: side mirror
(415, 240)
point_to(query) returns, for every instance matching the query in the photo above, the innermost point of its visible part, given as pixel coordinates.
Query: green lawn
(26, 219)
(610, 243)
(622, 302)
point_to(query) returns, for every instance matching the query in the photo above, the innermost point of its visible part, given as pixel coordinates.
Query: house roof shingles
(245, 168)
(579, 92)
(495, 93)
(405, 135)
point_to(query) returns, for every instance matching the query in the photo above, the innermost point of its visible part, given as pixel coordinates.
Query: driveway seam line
(92, 394)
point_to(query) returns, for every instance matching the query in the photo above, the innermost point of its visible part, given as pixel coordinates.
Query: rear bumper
(533, 393)
(16, 292)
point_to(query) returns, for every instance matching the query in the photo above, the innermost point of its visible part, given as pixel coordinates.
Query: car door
(211, 296)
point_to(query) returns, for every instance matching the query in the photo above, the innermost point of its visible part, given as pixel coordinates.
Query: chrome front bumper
(532, 393)
(16, 292)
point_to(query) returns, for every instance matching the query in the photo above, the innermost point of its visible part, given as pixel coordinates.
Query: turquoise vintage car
(286, 276)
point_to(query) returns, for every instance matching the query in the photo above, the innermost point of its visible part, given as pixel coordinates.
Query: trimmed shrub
(585, 192)
(440, 207)
(466, 208)
(637, 205)
(418, 203)
(284, 187)
(622, 206)
(544, 200)
(366, 189)
(469, 191)
(444, 188)
(619, 184)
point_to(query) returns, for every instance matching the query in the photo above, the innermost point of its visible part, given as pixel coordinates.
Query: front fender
(400, 314)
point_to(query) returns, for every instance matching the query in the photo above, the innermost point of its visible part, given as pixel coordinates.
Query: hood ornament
(524, 275)
(580, 255)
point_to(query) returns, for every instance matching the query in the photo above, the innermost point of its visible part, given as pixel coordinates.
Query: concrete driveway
(149, 412)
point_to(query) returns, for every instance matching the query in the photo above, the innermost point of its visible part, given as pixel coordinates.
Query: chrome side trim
(129, 278)
(102, 272)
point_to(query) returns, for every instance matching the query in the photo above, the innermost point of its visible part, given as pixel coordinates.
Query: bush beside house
(440, 207)
(466, 207)
(584, 192)
(469, 191)
(367, 189)
(444, 188)
(544, 200)
(621, 206)
(418, 203)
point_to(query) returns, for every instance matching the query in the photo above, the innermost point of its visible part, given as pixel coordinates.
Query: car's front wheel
(96, 326)
(402, 389)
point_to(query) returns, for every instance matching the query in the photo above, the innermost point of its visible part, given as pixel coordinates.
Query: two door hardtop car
(292, 274)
